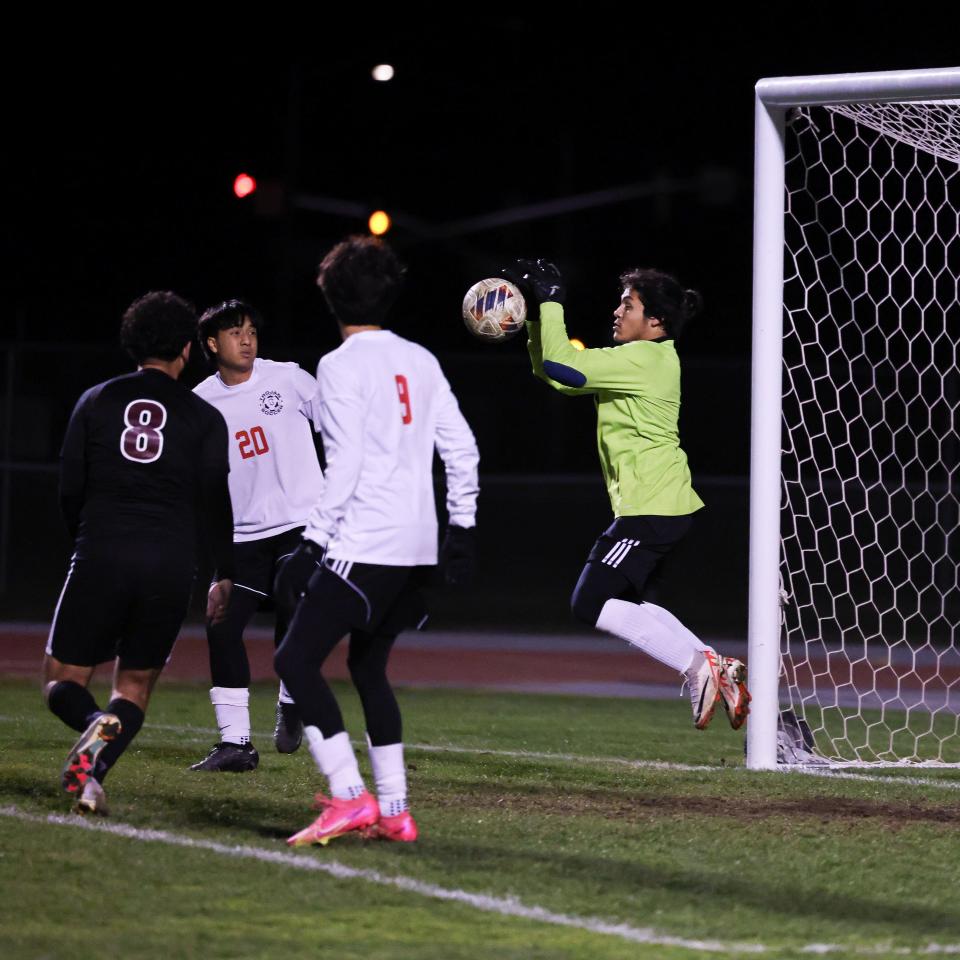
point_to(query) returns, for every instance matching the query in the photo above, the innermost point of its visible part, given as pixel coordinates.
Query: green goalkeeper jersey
(636, 388)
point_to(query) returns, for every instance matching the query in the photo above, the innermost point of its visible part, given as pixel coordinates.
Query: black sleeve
(216, 511)
(73, 466)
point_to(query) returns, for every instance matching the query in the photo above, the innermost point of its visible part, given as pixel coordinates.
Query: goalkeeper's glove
(293, 575)
(539, 280)
(458, 555)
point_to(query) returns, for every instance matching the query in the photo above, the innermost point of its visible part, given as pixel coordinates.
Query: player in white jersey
(384, 406)
(274, 481)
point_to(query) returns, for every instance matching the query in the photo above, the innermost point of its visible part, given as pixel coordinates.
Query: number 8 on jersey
(142, 440)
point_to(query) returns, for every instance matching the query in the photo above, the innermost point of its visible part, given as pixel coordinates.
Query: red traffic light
(244, 185)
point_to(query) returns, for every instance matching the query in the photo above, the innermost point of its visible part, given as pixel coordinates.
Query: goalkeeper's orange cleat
(704, 680)
(338, 817)
(734, 694)
(401, 828)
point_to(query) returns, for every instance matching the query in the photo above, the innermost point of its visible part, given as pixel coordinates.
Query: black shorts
(635, 546)
(392, 596)
(123, 602)
(255, 563)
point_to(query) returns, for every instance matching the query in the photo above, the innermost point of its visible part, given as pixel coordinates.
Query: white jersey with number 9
(384, 405)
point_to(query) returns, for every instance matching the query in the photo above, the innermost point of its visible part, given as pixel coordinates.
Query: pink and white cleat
(338, 817)
(401, 828)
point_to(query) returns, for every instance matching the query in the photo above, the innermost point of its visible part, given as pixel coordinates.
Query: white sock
(668, 619)
(390, 776)
(653, 630)
(284, 695)
(336, 760)
(231, 705)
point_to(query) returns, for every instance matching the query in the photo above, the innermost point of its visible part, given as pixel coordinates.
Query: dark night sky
(122, 143)
(124, 156)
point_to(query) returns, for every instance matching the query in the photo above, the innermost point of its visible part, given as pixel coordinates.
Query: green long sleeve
(637, 392)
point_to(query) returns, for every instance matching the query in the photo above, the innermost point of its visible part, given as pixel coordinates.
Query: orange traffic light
(379, 223)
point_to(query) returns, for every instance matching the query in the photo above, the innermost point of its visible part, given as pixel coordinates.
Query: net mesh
(871, 389)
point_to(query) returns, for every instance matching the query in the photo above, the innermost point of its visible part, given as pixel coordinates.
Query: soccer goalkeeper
(636, 388)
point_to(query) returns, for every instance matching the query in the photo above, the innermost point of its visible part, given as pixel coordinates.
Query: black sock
(73, 704)
(131, 720)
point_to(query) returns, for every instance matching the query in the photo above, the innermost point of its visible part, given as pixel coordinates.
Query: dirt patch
(620, 806)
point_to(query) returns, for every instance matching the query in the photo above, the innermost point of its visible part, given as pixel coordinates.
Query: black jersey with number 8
(142, 455)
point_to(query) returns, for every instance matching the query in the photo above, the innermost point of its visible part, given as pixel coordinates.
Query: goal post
(855, 457)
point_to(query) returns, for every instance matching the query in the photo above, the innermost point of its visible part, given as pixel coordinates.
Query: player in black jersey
(143, 470)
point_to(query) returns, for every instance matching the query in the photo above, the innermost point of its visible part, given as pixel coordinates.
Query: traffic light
(379, 223)
(244, 185)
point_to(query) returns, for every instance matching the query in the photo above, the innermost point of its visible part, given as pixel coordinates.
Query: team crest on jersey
(271, 403)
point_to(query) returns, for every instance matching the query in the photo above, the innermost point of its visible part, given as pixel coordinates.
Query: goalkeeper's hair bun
(692, 304)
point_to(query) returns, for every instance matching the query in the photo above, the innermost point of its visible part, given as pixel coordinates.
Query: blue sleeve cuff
(560, 372)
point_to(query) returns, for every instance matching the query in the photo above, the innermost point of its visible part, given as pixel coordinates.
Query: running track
(544, 663)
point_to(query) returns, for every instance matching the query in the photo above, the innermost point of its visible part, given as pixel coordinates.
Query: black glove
(458, 555)
(539, 280)
(293, 575)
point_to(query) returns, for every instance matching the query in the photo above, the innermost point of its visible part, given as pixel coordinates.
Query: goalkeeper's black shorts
(625, 561)
(635, 546)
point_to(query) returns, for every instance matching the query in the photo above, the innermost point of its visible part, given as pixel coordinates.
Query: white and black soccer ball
(494, 309)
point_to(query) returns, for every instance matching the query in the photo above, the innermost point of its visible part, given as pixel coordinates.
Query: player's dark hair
(225, 316)
(361, 277)
(158, 326)
(663, 297)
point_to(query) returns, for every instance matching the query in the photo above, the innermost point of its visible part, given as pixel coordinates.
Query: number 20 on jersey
(253, 442)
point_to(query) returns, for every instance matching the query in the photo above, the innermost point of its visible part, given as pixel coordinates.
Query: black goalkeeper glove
(458, 555)
(290, 583)
(539, 280)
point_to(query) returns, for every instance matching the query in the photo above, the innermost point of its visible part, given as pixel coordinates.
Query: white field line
(615, 761)
(505, 906)
(474, 751)
(840, 775)
(208, 736)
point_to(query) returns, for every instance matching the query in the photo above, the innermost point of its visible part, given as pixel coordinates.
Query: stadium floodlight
(855, 460)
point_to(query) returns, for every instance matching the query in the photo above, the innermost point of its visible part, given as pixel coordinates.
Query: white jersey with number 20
(274, 474)
(383, 405)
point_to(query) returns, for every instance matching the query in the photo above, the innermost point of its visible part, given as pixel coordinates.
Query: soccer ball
(494, 309)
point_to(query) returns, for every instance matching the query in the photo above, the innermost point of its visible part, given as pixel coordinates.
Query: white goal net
(870, 463)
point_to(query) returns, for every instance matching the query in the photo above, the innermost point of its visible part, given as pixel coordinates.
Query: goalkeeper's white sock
(655, 631)
(390, 775)
(231, 705)
(669, 620)
(336, 760)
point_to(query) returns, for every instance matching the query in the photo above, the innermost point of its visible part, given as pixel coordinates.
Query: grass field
(551, 827)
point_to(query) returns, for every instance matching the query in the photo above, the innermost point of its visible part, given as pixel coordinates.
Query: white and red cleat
(704, 680)
(734, 694)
